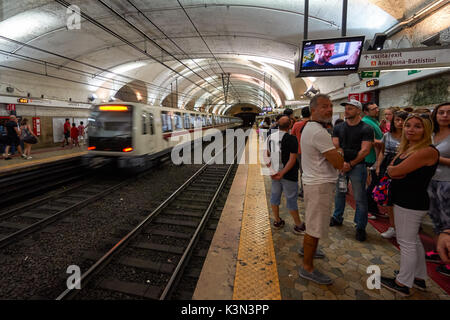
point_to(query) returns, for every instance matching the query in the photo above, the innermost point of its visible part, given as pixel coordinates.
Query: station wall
(51, 133)
(424, 93)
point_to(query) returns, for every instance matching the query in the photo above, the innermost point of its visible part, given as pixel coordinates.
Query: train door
(148, 132)
(152, 131)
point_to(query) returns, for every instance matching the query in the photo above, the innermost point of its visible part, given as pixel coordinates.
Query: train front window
(110, 123)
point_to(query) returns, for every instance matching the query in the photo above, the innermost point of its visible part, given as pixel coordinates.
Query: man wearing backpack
(282, 149)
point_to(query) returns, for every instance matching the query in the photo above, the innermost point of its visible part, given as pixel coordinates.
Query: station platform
(39, 157)
(249, 260)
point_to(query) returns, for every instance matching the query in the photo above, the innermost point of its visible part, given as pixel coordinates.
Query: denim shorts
(290, 189)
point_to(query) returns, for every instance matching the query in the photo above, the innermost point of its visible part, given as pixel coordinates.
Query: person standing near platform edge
(354, 138)
(320, 161)
(285, 174)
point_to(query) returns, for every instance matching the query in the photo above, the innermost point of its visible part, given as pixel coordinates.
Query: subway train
(135, 135)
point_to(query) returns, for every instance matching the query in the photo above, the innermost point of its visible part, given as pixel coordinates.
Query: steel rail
(107, 257)
(44, 222)
(11, 212)
(194, 239)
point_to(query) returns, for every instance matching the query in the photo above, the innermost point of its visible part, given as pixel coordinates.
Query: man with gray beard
(320, 162)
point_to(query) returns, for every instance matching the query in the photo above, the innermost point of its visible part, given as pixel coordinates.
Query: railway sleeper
(188, 213)
(176, 222)
(131, 288)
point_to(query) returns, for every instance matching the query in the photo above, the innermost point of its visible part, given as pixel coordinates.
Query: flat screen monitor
(329, 57)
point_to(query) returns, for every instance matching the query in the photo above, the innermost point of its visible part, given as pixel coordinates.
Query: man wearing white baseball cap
(354, 138)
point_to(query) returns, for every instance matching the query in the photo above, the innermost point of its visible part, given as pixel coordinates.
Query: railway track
(150, 261)
(23, 185)
(31, 217)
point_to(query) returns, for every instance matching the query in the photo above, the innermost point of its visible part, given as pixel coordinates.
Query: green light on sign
(413, 71)
(370, 74)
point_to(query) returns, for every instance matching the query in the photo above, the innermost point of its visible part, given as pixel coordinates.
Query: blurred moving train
(134, 134)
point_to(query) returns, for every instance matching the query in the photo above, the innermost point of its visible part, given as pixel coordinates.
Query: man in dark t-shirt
(12, 137)
(283, 149)
(354, 138)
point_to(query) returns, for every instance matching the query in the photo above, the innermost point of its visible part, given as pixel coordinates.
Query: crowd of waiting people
(406, 156)
(20, 137)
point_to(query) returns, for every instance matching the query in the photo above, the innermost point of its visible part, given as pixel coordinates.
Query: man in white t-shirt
(320, 164)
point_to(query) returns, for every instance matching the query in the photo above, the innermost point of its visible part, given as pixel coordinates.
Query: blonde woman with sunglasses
(411, 172)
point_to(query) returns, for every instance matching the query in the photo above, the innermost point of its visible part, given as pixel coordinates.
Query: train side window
(144, 123)
(178, 121)
(150, 122)
(166, 121)
(192, 120)
(204, 121)
(186, 118)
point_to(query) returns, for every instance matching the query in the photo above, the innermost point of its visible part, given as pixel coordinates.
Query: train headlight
(92, 148)
(127, 149)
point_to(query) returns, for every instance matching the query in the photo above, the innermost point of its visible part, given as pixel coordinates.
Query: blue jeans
(358, 176)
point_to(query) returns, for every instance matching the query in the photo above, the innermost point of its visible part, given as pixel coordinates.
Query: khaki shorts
(318, 203)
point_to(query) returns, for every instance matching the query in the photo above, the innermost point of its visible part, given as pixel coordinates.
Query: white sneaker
(390, 233)
(29, 157)
(24, 156)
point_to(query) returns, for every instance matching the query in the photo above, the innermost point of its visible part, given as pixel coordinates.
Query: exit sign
(370, 74)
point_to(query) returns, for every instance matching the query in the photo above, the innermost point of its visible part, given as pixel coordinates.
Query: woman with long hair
(411, 172)
(389, 145)
(439, 189)
(28, 137)
(385, 124)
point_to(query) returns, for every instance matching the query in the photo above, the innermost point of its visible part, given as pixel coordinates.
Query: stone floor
(346, 262)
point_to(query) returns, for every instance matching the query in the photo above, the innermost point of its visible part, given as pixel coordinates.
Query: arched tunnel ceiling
(181, 45)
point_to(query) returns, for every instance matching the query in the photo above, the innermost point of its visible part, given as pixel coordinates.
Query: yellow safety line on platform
(256, 269)
(41, 161)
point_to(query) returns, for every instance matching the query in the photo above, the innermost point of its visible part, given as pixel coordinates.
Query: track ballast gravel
(34, 269)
